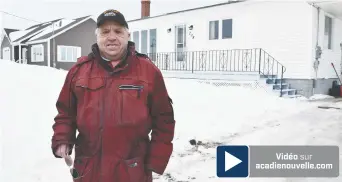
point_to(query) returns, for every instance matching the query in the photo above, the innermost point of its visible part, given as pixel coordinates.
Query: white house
(265, 37)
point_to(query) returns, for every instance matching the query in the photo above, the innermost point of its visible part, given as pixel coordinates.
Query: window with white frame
(213, 30)
(144, 42)
(68, 53)
(328, 32)
(227, 29)
(37, 53)
(136, 40)
(6, 53)
(153, 44)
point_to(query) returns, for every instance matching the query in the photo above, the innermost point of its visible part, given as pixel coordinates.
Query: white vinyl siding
(68, 53)
(37, 53)
(288, 36)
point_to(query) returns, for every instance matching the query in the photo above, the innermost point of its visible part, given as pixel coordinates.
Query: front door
(24, 55)
(6, 53)
(180, 42)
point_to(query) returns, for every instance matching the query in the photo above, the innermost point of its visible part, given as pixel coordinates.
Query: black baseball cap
(112, 15)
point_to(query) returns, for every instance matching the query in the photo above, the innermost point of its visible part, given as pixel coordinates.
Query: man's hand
(62, 150)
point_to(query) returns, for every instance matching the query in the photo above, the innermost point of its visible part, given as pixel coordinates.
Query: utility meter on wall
(318, 52)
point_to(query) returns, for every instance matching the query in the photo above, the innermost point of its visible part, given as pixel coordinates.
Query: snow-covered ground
(210, 114)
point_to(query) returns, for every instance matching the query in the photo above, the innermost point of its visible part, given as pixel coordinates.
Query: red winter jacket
(114, 110)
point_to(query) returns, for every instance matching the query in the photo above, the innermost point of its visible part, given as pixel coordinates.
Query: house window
(327, 32)
(6, 53)
(227, 29)
(136, 40)
(144, 42)
(68, 53)
(213, 30)
(153, 44)
(37, 53)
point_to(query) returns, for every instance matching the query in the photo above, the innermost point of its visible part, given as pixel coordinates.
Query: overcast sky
(46, 10)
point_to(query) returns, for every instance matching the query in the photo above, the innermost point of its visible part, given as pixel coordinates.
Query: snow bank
(212, 115)
(320, 97)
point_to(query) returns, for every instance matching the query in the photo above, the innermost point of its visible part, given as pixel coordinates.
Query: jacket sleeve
(64, 127)
(161, 147)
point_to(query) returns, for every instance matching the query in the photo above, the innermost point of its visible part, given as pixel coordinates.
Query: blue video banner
(241, 161)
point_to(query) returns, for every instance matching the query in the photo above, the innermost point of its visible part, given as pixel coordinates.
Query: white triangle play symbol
(230, 161)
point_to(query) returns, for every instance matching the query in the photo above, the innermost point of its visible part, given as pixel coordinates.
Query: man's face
(112, 39)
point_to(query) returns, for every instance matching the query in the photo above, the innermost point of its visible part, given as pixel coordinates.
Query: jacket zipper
(102, 127)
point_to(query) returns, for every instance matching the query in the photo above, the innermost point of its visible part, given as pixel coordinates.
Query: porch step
(282, 86)
(274, 80)
(268, 76)
(293, 96)
(278, 85)
(289, 91)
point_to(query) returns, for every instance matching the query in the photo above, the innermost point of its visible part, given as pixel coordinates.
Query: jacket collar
(95, 54)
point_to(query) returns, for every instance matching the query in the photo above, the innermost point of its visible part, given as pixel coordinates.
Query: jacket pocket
(89, 94)
(89, 89)
(82, 169)
(133, 104)
(135, 170)
(90, 84)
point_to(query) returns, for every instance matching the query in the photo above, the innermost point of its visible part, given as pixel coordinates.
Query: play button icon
(232, 161)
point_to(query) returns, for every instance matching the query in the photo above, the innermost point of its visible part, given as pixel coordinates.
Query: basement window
(68, 53)
(37, 53)
(328, 32)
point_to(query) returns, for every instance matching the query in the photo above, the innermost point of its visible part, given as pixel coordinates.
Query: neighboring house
(57, 43)
(267, 37)
(6, 51)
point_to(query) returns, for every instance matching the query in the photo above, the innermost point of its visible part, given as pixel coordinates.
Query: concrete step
(274, 81)
(268, 76)
(283, 86)
(288, 91)
(293, 96)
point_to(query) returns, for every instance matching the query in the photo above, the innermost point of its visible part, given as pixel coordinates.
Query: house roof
(332, 7)
(64, 24)
(22, 35)
(33, 31)
(40, 24)
(9, 30)
(44, 30)
(192, 9)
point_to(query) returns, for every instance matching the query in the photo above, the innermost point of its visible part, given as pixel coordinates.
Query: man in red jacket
(114, 98)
